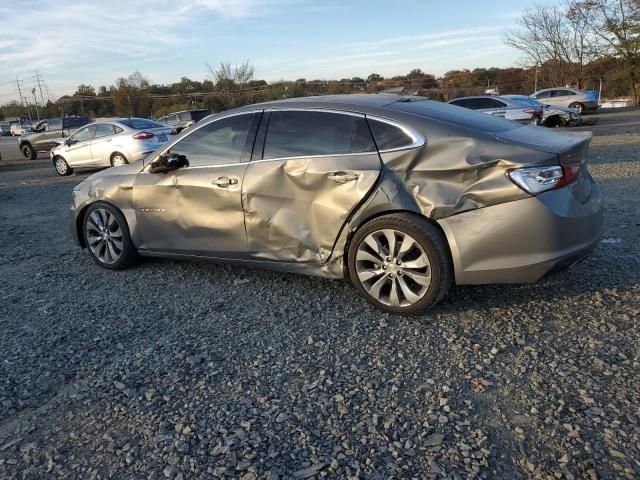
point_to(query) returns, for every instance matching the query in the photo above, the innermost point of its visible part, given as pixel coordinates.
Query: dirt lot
(193, 370)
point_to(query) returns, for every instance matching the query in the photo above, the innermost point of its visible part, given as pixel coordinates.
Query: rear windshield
(455, 115)
(525, 101)
(140, 123)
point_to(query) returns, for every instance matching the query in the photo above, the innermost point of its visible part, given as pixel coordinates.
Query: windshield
(141, 123)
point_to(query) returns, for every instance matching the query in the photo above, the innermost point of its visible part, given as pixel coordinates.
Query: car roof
(476, 96)
(571, 89)
(353, 100)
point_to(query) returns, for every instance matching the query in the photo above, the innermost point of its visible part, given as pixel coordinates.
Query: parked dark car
(46, 134)
(182, 120)
(5, 129)
(500, 107)
(401, 195)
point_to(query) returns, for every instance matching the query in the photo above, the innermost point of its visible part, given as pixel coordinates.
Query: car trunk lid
(570, 149)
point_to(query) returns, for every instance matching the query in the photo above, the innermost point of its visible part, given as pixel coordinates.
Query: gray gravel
(193, 370)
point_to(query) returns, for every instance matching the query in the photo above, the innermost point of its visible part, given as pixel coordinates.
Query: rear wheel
(118, 159)
(400, 263)
(577, 106)
(62, 167)
(106, 235)
(28, 151)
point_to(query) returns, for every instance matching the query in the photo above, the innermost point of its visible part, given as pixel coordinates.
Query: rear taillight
(533, 111)
(535, 180)
(143, 136)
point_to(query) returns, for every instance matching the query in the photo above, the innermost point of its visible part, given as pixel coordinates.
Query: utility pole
(40, 87)
(19, 91)
(35, 100)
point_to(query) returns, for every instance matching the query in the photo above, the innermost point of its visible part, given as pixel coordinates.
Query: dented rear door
(310, 170)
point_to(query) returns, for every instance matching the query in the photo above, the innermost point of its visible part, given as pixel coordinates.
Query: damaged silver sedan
(401, 195)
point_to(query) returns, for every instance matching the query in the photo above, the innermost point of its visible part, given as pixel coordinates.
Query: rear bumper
(522, 241)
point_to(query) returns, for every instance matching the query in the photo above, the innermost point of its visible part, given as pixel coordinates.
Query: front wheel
(62, 167)
(400, 263)
(106, 235)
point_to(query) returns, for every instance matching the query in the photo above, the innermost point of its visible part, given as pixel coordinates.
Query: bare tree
(231, 80)
(617, 24)
(548, 37)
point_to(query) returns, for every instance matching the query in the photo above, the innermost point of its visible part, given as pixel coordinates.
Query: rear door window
(546, 94)
(308, 133)
(103, 130)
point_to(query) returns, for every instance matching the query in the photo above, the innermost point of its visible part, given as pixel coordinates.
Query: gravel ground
(193, 370)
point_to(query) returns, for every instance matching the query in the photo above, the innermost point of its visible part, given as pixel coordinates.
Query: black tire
(555, 122)
(578, 107)
(430, 239)
(28, 151)
(62, 167)
(128, 255)
(114, 155)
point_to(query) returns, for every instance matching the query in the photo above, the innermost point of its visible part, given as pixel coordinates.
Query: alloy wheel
(104, 236)
(393, 268)
(118, 161)
(61, 166)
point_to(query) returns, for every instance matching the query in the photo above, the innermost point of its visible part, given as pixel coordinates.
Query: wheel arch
(80, 219)
(370, 216)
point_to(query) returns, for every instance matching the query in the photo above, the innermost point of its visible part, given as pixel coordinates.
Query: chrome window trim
(417, 139)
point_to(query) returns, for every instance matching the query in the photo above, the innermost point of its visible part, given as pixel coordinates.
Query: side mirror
(168, 162)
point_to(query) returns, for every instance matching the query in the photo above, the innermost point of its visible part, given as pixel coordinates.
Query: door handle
(224, 182)
(342, 177)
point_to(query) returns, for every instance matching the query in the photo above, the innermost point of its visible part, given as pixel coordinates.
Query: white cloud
(449, 34)
(71, 39)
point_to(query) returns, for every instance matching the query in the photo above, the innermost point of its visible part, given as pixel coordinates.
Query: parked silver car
(579, 100)
(109, 143)
(496, 106)
(552, 116)
(401, 195)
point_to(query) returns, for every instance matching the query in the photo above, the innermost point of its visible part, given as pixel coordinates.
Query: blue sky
(95, 41)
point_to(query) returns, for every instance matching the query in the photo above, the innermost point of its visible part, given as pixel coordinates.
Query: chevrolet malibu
(402, 196)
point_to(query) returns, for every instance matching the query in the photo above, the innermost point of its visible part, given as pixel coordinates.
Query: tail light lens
(533, 111)
(535, 180)
(143, 136)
